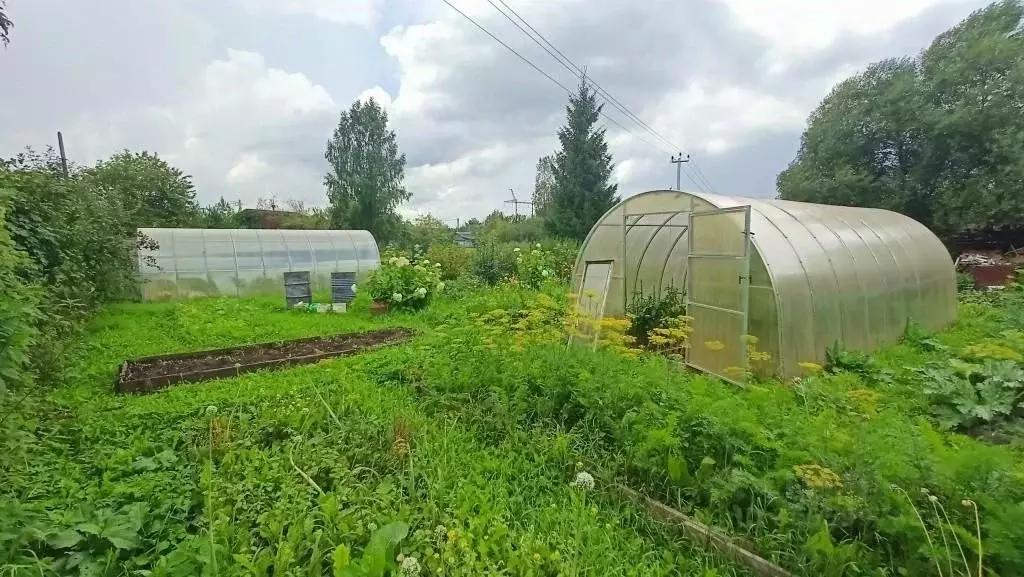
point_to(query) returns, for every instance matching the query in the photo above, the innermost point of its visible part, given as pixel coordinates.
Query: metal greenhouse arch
(797, 276)
(195, 262)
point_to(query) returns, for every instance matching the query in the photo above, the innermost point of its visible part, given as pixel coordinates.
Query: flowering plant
(404, 283)
(536, 266)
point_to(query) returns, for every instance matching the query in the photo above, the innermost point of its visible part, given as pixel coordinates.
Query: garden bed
(147, 374)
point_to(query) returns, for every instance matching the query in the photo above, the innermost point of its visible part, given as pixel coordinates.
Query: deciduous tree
(939, 137)
(364, 184)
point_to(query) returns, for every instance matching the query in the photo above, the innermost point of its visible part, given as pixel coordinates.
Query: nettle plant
(404, 283)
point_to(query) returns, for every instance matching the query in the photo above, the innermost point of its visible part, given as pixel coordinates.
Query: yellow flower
(818, 477)
(809, 367)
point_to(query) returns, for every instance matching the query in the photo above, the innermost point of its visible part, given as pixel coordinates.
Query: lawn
(459, 450)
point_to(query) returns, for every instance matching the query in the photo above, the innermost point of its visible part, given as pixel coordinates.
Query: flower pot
(379, 307)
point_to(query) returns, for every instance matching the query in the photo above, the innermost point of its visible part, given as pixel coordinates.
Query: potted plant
(401, 284)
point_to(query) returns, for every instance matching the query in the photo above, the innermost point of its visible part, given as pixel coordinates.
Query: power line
(538, 38)
(702, 177)
(538, 69)
(575, 69)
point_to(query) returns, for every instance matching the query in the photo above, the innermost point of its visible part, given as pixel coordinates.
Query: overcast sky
(243, 94)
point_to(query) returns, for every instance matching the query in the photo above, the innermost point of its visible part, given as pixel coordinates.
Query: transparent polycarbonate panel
(274, 251)
(717, 345)
(249, 256)
(641, 230)
(845, 297)
(159, 287)
(595, 288)
(300, 254)
(366, 251)
(716, 281)
(819, 285)
(718, 233)
(201, 262)
(220, 256)
(651, 269)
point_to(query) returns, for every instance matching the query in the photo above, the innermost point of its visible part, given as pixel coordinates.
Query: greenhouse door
(591, 300)
(717, 289)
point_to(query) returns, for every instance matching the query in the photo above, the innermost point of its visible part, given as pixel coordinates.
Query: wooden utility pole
(63, 157)
(678, 160)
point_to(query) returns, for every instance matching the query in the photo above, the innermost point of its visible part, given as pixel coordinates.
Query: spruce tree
(583, 168)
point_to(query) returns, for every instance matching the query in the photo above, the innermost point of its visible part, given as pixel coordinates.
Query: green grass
(480, 429)
(202, 479)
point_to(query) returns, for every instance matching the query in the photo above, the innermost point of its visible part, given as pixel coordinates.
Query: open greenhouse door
(717, 291)
(590, 301)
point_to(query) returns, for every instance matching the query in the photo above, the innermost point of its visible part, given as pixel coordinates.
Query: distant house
(465, 239)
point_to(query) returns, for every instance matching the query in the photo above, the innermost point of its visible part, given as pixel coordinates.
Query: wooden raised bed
(146, 374)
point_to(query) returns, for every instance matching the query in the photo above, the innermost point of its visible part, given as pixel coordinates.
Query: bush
(964, 282)
(493, 263)
(455, 261)
(405, 284)
(17, 308)
(651, 312)
(66, 240)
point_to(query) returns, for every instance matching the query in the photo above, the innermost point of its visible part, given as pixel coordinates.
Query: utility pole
(678, 160)
(516, 202)
(63, 157)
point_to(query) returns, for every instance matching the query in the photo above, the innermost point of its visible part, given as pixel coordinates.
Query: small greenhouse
(799, 277)
(191, 262)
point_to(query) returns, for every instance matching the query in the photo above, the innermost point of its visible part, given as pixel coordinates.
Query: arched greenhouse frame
(799, 277)
(195, 262)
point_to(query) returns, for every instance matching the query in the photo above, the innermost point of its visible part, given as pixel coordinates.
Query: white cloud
(793, 25)
(363, 13)
(244, 130)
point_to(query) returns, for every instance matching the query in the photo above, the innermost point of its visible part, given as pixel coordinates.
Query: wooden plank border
(703, 535)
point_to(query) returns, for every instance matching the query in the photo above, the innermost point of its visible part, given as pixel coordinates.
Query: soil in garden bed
(149, 373)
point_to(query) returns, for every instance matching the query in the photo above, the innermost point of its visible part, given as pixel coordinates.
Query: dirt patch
(150, 373)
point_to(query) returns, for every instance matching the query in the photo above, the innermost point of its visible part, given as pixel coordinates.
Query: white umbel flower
(397, 297)
(584, 480)
(410, 567)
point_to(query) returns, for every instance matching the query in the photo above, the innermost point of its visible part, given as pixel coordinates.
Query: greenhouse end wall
(188, 262)
(818, 275)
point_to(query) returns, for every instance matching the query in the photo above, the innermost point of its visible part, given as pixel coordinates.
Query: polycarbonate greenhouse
(799, 277)
(191, 262)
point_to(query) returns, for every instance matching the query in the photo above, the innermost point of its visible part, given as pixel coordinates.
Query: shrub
(455, 261)
(964, 282)
(17, 308)
(405, 284)
(493, 263)
(651, 312)
(76, 242)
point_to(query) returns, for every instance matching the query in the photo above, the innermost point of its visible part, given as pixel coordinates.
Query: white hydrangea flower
(353, 289)
(397, 297)
(437, 265)
(440, 286)
(516, 249)
(545, 273)
(584, 480)
(538, 245)
(422, 291)
(410, 567)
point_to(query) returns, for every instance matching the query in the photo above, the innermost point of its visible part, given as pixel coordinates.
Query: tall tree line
(939, 137)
